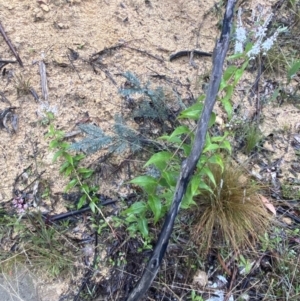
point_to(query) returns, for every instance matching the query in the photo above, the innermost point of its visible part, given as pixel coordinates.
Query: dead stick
(74, 68)
(188, 166)
(42, 68)
(145, 52)
(7, 61)
(10, 45)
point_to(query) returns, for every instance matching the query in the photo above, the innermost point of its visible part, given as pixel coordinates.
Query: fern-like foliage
(126, 138)
(96, 139)
(153, 106)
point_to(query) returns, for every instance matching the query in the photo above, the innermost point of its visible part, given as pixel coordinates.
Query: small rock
(39, 16)
(219, 121)
(200, 278)
(287, 220)
(62, 26)
(45, 7)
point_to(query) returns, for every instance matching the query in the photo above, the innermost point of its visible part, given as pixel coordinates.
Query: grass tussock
(233, 215)
(22, 85)
(43, 246)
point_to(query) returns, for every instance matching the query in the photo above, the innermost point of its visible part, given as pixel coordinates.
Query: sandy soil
(40, 30)
(46, 30)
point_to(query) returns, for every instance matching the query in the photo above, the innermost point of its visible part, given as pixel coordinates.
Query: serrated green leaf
(82, 201)
(194, 183)
(170, 177)
(93, 207)
(235, 56)
(211, 147)
(87, 175)
(155, 205)
(237, 76)
(223, 84)
(83, 170)
(183, 129)
(68, 157)
(187, 200)
(142, 225)
(207, 172)
(78, 157)
(68, 170)
(207, 139)
(186, 148)
(171, 139)
(64, 166)
(212, 120)
(217, 139)
(226, 145)
(136, 208)
(148, 183)
(226, 100)
(239, 73)
(227, 106)
(204, 186)
(167, 196)
(131, 218)
(248, 47)
(64, 145)
(193, 112)
(53, 144)
(293, 70)
(57, 155)
(160, 160)
(85, 188)
(216, 159)
(229, 72)
(71, 184)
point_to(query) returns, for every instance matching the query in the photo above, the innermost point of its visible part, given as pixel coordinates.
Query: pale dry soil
(44, 30)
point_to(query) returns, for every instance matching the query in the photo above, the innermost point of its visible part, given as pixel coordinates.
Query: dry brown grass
(233, 215)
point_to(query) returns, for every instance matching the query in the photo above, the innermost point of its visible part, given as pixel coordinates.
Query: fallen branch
(10, 45)
(190, 163)
(188, 53)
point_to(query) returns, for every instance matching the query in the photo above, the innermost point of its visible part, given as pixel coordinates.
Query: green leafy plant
(78, 175)
(124, 139)
(47, 119)
(195, 297)
(152, 108)
(159, 189)
(230, 79)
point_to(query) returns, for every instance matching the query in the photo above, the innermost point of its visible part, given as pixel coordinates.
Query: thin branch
(190, 163)
(10, 45)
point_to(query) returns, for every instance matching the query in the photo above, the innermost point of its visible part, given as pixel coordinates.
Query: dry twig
(10, 45)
